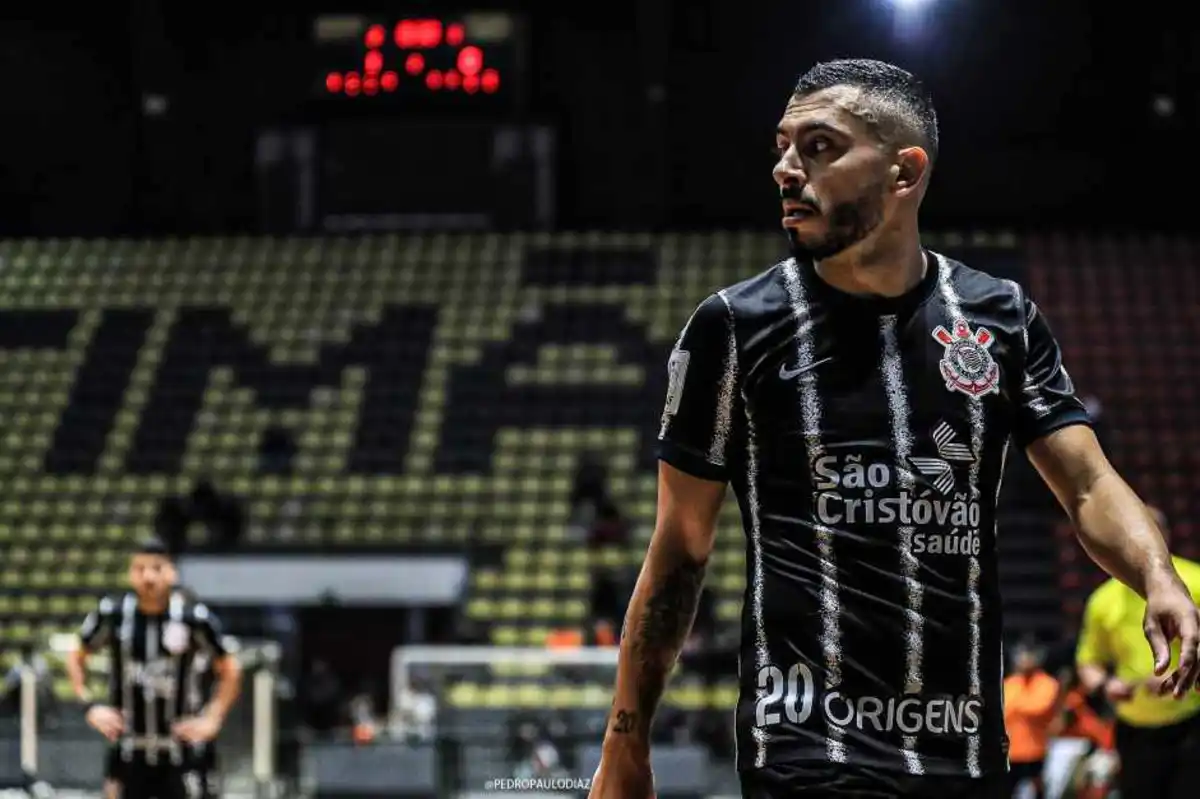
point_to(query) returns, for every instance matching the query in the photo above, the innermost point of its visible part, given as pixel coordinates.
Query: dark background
(663, 111)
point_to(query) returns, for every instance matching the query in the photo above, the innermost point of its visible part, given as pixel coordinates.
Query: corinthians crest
(967, 365)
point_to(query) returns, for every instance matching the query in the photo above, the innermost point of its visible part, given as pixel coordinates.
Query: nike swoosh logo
(787, 374)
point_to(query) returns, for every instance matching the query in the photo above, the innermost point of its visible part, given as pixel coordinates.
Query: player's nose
(788, 172)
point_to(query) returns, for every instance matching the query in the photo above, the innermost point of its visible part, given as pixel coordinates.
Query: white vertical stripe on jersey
(128, 619)
(722, 425)
(175, 616)
(892, 370)
(724, 417)
(996, 538)
(762, 654)
(149, 689)
(810, 405)
(975, 409)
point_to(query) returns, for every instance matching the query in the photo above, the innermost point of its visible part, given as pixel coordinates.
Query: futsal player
(152, 636)
(860, 397)
(1158, 740)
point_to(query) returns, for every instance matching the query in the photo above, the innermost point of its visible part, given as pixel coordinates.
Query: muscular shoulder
(110, 605)
(198, 613)
(753, 300)
(983, 291)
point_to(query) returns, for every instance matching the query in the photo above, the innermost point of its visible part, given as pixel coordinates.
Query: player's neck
(152, 605)
(888, 267)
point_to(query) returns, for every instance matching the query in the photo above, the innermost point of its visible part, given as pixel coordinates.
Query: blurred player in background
(1030, 707)
(152, 637)
(1158, 739)
(860, 398)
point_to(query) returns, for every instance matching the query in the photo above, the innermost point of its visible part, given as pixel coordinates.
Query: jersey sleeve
(208, 632)
(1093, 648)
(97, 628)
(701, 417)
(1047, 400)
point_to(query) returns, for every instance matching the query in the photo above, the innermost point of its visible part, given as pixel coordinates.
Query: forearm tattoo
(655, 638)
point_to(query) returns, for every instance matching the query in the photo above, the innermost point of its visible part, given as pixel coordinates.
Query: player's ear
(910, 169)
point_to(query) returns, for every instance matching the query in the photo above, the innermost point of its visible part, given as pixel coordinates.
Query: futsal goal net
(512, 719)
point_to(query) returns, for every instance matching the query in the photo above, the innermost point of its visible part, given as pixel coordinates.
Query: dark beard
(849, 223)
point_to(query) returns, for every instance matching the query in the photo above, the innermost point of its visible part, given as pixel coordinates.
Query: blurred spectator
(589, 489)
(416, 714)
(1030, 702)
(1157, 737)
(1082, 760)
(564, 639)
(221, 514)
(609, 599)
(610, 528)
(363, 720)
(605, 633)
(322, 698)
(533, 752)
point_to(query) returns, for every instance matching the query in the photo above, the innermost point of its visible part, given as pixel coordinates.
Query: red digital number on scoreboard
(457, 66)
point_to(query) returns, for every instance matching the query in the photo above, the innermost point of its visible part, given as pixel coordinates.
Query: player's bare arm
(106, 720)
(658, 620)
(76, 665)
(208, 723)
(1119, 533)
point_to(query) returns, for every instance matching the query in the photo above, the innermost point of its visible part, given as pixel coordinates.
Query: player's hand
(197, 729)
(108, 721)
(1157, 685)
(623, 775)
(1172, 615)
(1118, 691)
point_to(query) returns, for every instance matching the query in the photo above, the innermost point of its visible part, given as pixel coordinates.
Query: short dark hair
(152, 546)
(896, 104)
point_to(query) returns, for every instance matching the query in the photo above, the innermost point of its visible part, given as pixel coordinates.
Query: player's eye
(818, 145)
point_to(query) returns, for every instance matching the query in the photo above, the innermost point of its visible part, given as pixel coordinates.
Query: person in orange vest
(1030, 707)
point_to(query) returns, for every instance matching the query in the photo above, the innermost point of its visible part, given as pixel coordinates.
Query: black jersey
(200, 686)
(865, 439)
(152, 665)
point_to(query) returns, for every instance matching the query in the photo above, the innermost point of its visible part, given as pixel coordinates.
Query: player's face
(833, 174)
(151, 576)
(1027, 661)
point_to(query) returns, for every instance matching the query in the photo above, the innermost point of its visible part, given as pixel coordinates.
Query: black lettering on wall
(480, 399)
(394, 352)
(98, 391)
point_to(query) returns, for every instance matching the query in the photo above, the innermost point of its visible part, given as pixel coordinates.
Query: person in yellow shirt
(1158, 736)
(1030, 706)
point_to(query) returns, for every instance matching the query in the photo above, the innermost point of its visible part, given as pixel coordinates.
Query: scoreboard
(467, 60)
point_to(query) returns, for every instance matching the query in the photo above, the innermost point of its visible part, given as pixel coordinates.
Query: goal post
(509, 719)
(406, 658)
